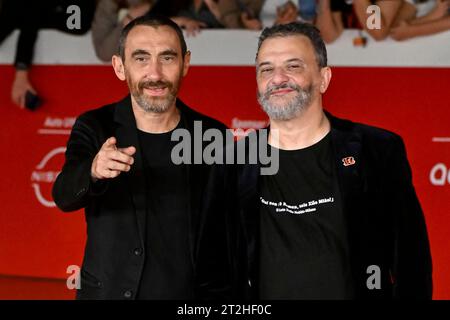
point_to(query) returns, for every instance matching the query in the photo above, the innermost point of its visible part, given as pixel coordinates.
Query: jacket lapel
(249, 205)
(346, 146)
(352, 185)
(193, 182)
(127, 135)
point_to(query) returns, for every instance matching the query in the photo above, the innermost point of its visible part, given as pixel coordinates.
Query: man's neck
(153, 122)
(306, 129)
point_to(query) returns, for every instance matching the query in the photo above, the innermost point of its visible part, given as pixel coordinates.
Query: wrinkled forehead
(153, 39)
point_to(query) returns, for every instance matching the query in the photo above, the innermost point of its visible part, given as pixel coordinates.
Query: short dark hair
(298, 28)
(151, 20)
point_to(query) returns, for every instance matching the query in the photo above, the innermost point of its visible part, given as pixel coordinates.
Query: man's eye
(293, 67)
(268, 70)
(141, 59)
(168, 58)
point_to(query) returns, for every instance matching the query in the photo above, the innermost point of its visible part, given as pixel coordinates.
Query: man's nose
(279, 77)
(154, 71)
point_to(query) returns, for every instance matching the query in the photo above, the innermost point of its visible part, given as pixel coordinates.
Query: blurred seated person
(276, 12)
(230, 14)
(191, 15)
(250, 13)
(332, 17)
(336, 15)
(392, 13)
(28, 17)
(432, 17)
(398, 18)
(109, 19)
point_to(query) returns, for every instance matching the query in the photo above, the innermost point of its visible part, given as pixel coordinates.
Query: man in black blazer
(339, 219)
(143, 212)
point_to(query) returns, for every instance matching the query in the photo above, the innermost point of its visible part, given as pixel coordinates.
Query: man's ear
(118, 66)
(187, 63)
(325, 79)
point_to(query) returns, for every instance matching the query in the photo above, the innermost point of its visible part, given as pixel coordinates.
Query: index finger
(122, 157)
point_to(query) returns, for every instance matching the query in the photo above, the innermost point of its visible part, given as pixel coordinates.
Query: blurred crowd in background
(400, 20)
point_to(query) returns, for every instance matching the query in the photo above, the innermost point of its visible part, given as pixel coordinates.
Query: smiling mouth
(155, 91)
(281, 92)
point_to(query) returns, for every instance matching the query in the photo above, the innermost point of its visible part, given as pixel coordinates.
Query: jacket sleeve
(73, 187)
(412, 265)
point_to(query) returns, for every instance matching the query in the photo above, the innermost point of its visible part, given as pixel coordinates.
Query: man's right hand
(20, 87)
(110, 161)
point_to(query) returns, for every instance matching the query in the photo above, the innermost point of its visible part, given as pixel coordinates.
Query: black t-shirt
(304, 247)
(168, 271)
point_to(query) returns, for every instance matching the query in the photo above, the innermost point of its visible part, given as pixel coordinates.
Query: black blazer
(115, 209)
(384, 218)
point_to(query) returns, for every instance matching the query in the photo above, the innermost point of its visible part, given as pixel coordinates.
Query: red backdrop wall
(41, 241)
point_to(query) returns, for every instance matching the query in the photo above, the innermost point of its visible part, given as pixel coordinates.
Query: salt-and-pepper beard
(290, 109)
(155, 104)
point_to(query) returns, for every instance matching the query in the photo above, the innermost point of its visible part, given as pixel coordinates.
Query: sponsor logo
(440, 175)
(44, 175)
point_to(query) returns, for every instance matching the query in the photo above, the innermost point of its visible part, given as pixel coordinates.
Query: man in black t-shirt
(303, 248)
(340, 218)
(144, 211)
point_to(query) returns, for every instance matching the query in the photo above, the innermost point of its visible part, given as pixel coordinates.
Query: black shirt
(168, 270)
(303, 247)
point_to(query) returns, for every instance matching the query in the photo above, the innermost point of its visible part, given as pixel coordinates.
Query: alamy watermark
(73, 22)
(74, 279)
(374, 280)
(214, 147)
(374, 19)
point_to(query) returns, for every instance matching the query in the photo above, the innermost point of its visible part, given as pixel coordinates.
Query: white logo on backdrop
(241, 128)
(40, 175)
(440, 173)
